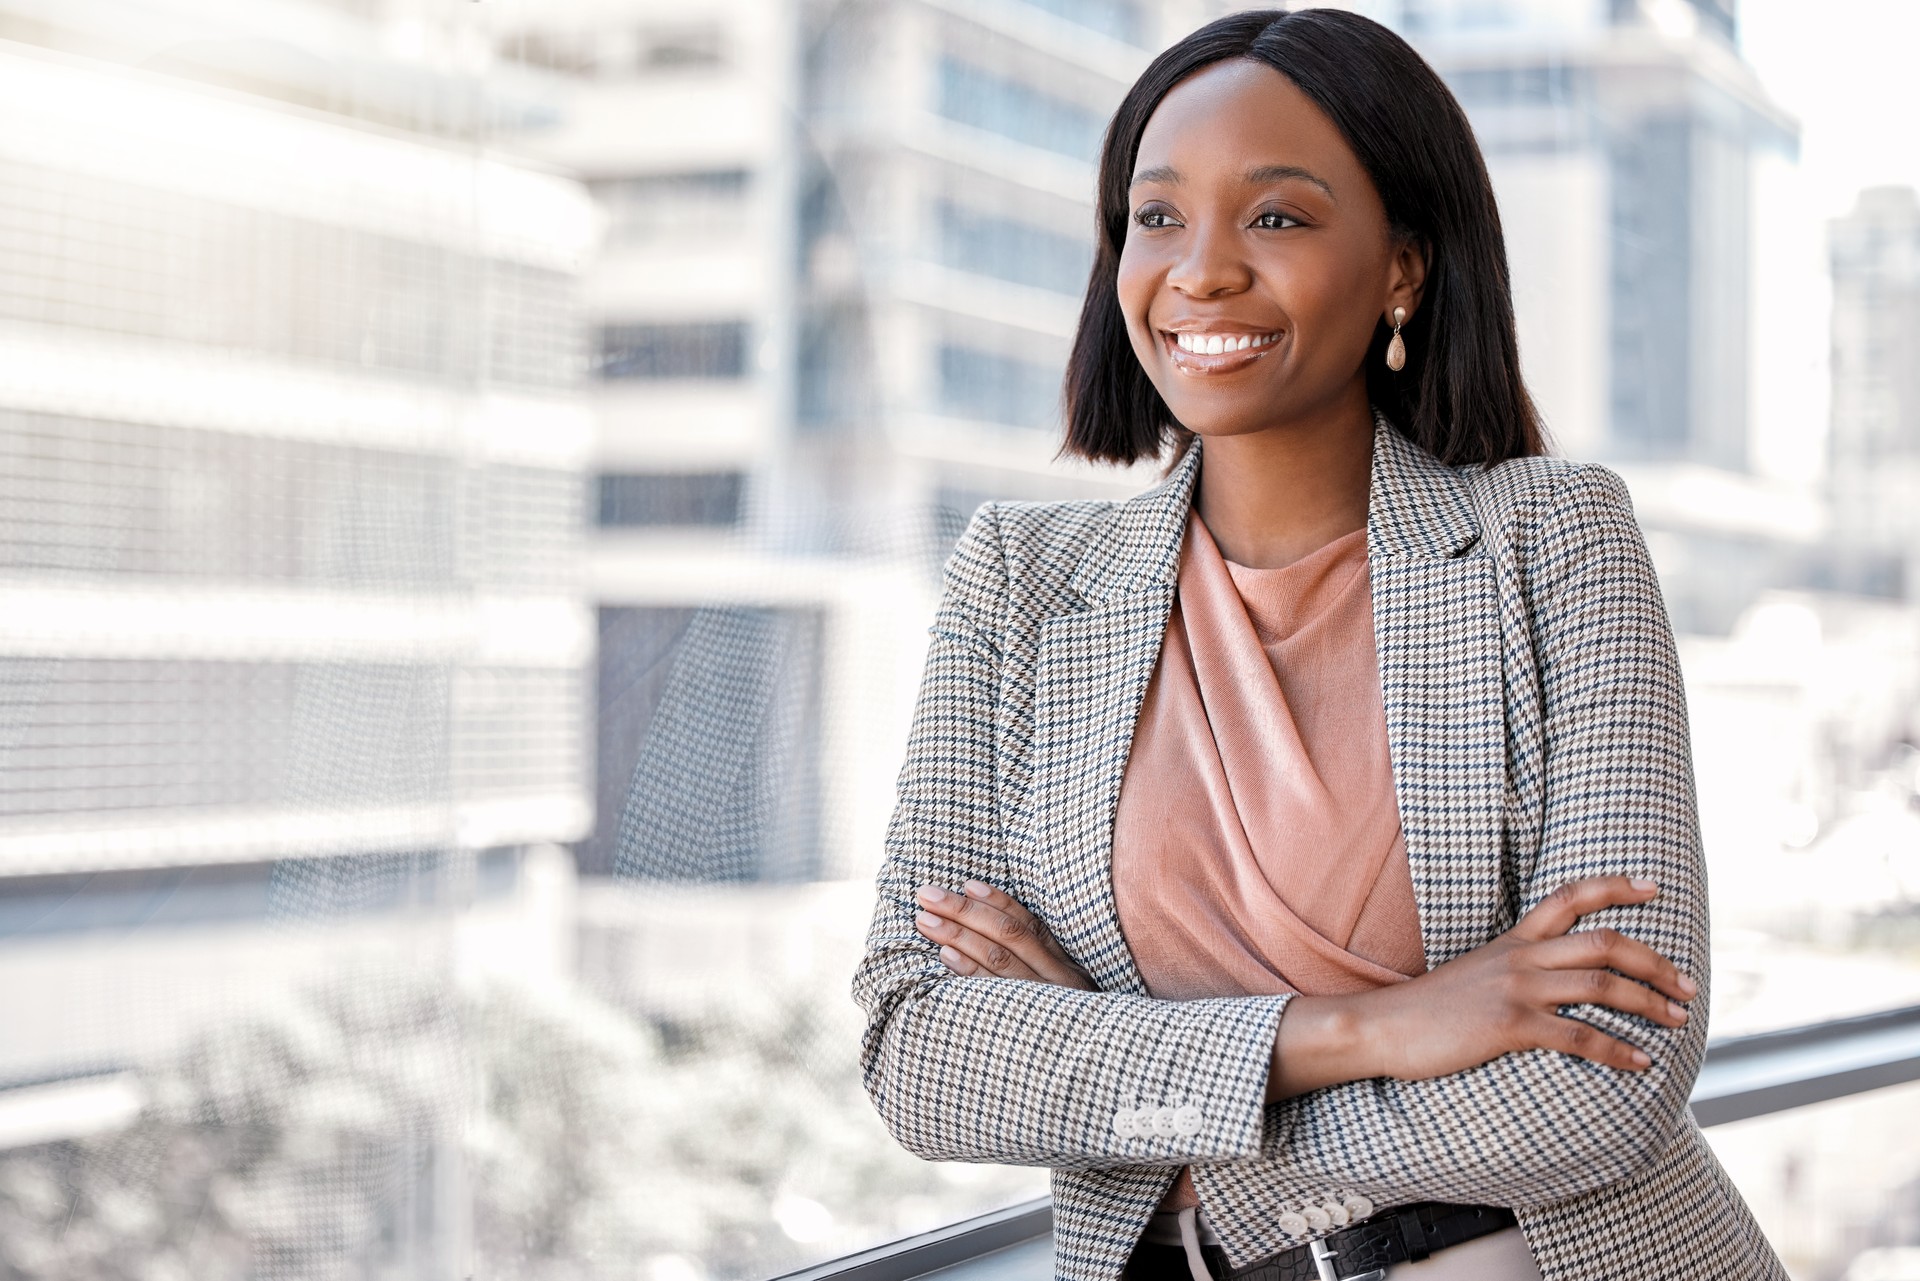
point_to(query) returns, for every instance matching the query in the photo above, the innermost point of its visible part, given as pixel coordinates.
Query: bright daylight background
(473, 475)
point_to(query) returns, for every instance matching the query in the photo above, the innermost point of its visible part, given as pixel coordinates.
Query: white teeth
(1216, 344)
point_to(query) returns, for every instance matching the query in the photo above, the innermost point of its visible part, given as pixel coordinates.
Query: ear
(1406, 276)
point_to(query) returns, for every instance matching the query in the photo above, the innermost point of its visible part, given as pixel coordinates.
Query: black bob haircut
(1460, 396)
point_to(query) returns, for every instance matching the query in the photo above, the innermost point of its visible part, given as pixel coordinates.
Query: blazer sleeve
(1536, 1127)
(988, 1069)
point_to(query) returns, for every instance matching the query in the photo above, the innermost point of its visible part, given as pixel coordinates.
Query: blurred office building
(1624, 138)
(1874, 446)
(295, 652)
(843, 255)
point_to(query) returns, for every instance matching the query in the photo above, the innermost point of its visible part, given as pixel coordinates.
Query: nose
(1212, 265)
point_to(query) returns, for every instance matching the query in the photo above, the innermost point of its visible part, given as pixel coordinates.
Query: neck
(1273, 496)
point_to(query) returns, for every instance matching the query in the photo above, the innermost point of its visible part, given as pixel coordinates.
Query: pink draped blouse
(1257, 845)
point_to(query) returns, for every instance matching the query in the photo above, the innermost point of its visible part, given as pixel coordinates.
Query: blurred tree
(364, 1128)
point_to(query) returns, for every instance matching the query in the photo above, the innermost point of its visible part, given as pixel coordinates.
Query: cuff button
(1292, 1223)
(1188, 1121)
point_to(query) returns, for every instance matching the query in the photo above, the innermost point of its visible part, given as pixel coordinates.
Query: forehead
(1238, 114)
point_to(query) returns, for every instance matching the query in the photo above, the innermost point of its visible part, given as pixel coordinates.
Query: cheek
(1328, 297)
(1134, 287)
(1134, 284)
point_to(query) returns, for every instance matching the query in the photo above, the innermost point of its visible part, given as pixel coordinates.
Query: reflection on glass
(473, 479)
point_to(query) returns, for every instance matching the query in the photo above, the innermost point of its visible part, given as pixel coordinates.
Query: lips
(1239, 348)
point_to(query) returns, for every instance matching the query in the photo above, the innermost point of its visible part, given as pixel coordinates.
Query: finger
(988, 955)
(1554, 988)
(1004, 902)
(1583, 1040)
(958, 962)
(1609, 949)
(1015, 932)
(1559, 911)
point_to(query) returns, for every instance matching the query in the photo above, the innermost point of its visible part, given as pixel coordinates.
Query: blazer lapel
(1436, 628)
(1092, 672)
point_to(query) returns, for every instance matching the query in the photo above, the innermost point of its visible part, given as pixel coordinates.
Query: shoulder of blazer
(1511, 500)
(1062, 556)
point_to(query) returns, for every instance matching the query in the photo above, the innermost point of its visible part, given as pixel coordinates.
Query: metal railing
(1743, 1077)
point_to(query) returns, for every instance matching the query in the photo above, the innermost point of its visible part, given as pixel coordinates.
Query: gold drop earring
(1397, 349)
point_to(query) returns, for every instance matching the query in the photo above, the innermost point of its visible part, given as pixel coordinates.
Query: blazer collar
(1416, 506)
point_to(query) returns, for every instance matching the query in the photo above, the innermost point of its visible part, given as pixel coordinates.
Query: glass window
(618, 52)
(686, 349)
(998, 104)
(998, 389)
(674, 207)
(652, 498)
(700, 44)
(1011, 250)
(1117, 18)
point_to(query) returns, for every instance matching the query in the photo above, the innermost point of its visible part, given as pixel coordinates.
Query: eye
(1155, 216)
(1275, 220)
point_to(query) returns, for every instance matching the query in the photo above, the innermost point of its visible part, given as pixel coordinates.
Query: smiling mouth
(1215, 353)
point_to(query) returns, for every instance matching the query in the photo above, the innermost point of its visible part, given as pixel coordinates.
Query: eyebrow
(1254, 177)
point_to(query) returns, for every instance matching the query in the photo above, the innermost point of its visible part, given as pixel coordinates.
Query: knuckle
(998, 957)
(1597, 983)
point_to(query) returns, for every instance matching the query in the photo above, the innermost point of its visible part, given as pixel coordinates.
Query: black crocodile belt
(1362, 1252)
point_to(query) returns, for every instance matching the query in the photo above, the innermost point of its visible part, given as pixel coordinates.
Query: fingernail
(1687, 985)
(1640, 1058)
(1642, 883)
(979, 889)
(950, 957)
(932, 894)
(926, 920)
(1678, 1010)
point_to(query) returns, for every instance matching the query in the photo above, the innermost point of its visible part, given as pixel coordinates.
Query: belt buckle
(1323, 1258)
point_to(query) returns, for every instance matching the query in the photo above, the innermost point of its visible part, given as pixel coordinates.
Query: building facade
(1623, 137)
(1874, 445)
(294, 637)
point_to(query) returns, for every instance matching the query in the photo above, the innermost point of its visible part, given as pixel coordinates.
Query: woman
(1245, 826)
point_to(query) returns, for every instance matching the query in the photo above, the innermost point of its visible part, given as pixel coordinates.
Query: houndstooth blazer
(1537, 730)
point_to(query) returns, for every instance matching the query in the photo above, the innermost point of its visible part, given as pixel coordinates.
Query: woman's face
(1254, 230)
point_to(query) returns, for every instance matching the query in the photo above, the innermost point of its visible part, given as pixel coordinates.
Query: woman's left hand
(985, 933)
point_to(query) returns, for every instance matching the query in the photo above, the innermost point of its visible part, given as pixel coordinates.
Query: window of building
(1117, 18)
(617, 52)
(685, 45)
(687, 349)
(671, 498)
(673, 206)
(973, 95)
(1011, 250)
(998, 389)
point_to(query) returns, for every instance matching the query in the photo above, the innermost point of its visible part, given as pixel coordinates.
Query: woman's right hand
(1500, 997)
